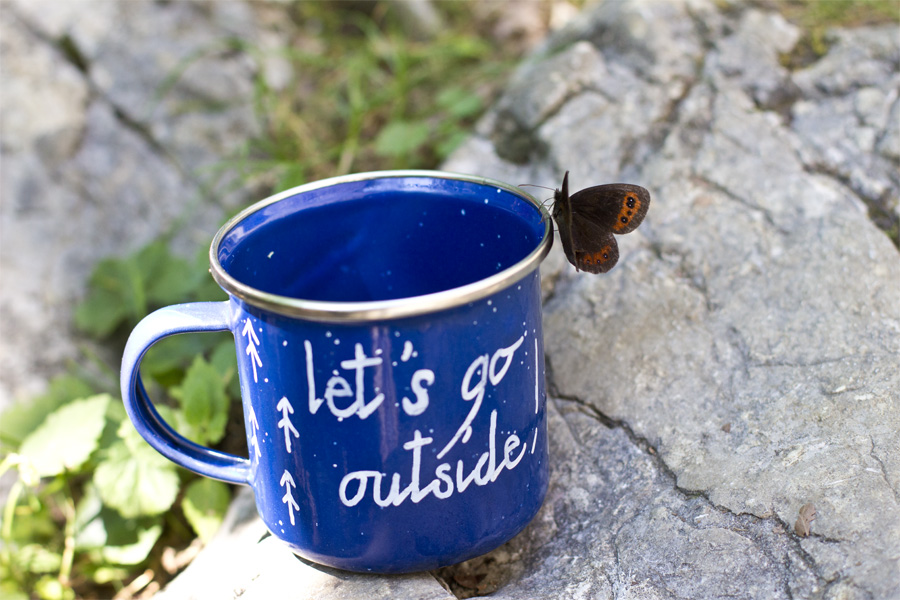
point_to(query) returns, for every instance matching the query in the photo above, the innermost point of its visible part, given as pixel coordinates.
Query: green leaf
(135, 479)
(24, 417)
(118, 540)
(115, 292)
(459, 102)
(224, 359)
(136, 552)
(50, 588)
(104, 574)
(67, 437)
(167, 278)
(401, 138)
(26, 519)
(204, 403)
(9, 590)
(204, 505)
(90, 530)
(172, 355)
(125, 289)
(35, 558)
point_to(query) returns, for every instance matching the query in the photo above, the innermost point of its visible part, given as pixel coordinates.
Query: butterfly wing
(588, 246)
(588, 219)
(617, 207)
(594, 248)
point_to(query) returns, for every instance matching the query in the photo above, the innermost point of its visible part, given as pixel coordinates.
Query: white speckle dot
(490, 302)
(337, 342)
(494, 309)
(271, 253)
(334, 465)
(463, 212)
(327, 334)
(335, 373)
(280, 522)
(379, 352)
(284, 343)
(266, 380)
(498, 190)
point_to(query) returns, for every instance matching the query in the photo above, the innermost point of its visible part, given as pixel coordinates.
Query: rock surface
(108, 132)
(744, 357)
(741, 361)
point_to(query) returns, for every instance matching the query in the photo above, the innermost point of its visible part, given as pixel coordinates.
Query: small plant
(92, 504)
(366, 96)
(816, 17)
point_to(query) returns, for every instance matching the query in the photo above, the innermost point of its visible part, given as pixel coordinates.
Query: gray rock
(848, 119)
(745, 351)
(242, 561)
(109, 134)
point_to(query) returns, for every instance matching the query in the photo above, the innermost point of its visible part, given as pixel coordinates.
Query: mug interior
(383, 238)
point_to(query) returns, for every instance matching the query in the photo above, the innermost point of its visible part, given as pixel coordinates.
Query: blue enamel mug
(390, 354)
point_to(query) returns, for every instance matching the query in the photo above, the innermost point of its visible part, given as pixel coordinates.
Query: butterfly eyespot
(624, 219)
(631, 201)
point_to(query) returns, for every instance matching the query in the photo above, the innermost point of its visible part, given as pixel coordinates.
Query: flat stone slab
(245, 561)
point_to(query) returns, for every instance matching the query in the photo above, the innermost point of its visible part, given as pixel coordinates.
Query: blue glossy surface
(393, 445)
(382, 239)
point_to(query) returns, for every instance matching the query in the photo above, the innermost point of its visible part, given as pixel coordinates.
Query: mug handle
(171, 320)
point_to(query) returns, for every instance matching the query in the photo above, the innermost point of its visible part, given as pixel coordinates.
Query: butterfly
(587, 220)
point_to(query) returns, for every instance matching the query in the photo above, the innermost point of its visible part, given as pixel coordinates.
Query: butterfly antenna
(536, 185)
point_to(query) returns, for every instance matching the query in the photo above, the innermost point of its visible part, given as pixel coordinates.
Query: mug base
(369, 563)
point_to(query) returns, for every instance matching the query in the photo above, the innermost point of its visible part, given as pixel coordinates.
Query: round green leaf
(67, 437)
(134, 479)
(400, 138)
(204, 506)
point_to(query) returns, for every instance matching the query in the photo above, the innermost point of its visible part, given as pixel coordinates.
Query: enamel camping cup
(390, 355)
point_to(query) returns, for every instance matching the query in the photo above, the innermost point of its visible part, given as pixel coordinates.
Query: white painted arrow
(254, 442)
(252, 343)
(285, 423)
(288, 482)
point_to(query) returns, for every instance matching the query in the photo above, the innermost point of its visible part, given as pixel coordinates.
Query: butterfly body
(587, 220)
